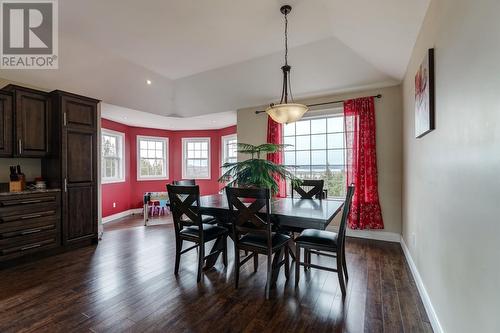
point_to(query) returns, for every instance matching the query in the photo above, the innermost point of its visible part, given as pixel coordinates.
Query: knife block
(17, 185)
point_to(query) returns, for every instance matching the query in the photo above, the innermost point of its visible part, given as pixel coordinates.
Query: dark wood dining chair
(330, 244)
(252, 232)
(191, 182)
(185, 201)
(310, 189)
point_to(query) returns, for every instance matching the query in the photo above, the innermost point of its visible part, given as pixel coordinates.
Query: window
(152, 163)
(318, 151)
(113, 160)
(196, 158)
(229, 149)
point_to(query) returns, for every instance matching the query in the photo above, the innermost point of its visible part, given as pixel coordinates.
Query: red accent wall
(117, 192)
(128, 195)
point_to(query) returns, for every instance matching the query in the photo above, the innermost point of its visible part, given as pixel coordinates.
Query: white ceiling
(148, 120)
(214, 56)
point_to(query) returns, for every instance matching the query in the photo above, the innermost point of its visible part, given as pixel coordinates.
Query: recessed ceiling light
(148, 82)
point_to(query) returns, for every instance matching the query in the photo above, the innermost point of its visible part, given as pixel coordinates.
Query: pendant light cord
(286, 57)
(286, 39)
(286, 88)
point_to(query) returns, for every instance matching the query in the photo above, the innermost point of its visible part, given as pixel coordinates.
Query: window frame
(223, 140)
(322, 114)
(121, 156)
(165, 141)
(185, 141)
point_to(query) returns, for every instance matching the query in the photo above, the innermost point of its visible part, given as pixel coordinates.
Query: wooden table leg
(291, 248)
(278, 257)
(214, 253)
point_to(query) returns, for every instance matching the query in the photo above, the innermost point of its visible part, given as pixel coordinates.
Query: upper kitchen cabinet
(32, 119)
(6, 123)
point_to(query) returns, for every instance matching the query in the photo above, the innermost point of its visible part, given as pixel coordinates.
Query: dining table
(286, 214)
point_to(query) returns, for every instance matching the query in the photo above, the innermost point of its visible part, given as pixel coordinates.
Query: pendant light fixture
(285, 112)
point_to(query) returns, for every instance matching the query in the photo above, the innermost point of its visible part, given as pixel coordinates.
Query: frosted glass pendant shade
(286, 113)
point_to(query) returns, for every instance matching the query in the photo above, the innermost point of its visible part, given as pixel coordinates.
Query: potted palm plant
(255, 171)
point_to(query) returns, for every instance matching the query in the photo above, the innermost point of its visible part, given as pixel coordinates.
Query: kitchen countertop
(49, 190)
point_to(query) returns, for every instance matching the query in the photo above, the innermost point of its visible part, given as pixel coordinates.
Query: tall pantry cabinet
(73, 167)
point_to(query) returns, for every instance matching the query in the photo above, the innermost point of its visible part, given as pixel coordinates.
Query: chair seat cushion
(317, 237)
(208, 219)
(204, 219)
(260, 241)
(210, 231)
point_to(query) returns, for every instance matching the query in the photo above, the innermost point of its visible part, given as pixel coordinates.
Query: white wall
(451, 205)
(252, 129)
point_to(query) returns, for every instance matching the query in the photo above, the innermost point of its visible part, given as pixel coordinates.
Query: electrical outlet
(114, 204)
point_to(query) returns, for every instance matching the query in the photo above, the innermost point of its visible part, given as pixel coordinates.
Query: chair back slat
(309, 189)
(345, 214)
(245, 206)
(184, 182)
(185, 201)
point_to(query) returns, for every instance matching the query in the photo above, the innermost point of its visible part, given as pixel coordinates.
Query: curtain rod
(326, 103)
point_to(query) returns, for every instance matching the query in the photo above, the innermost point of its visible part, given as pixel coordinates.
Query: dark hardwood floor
(126, 284)
(137, 221)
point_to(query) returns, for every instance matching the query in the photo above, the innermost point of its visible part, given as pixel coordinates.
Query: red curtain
(361, 161)
(275, 135)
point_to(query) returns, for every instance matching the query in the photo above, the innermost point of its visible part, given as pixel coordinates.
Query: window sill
(151, 179)
(197, 178)
(114, 181)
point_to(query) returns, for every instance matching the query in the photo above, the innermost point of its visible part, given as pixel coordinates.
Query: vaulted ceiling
(220, 55)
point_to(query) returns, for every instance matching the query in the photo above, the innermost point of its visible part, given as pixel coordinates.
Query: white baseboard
(377, 235)
(121, 214)
(431, 313)
(371, 234)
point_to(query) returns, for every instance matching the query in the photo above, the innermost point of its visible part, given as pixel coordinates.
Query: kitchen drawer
(27, 238)
(28, 200)
(32, 214)
(30, 223)
(23, 245)
(21, 228)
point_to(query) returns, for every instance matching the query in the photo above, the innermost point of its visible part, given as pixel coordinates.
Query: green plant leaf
(257, 172)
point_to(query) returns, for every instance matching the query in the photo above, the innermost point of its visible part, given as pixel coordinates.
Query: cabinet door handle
(64, 118)
(32, 231)
(65, 185)
(30, 216)
(25, 202)
(30, 247)
(20, 146)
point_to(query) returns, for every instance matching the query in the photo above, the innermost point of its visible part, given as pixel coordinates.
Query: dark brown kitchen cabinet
(30, 223)
(61, 129)
(80, 189)
(6, 123)
(74, 165)
(32, 120)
